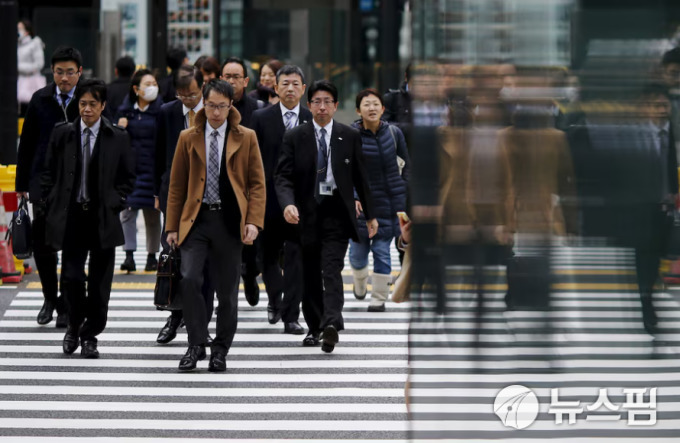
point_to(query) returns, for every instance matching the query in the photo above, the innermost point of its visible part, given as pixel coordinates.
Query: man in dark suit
(89, 173)
(117, 90)
(175, 58)
(50, 105)
(659, 182)
(320, 166)
(173, 118)
(235, 72)
(214, 207)
(270, 124)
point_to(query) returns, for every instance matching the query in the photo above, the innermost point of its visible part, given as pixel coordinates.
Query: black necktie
(84, 192)
(64, 100)
(321, 164)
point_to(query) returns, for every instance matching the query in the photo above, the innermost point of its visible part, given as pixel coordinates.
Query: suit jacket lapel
(178, 116)
(234, 142)
(336, 148)
(197, 140)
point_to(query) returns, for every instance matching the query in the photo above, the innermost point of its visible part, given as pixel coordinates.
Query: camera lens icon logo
(516, 406)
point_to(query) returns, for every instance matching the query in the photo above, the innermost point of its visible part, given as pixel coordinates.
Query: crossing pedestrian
(89, 173)
(216, 203)
(138, 115)
(50, 105)
(320, 167)
(387, 164)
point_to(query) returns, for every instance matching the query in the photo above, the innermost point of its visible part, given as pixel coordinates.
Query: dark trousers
(323, 260)
(650, 247)
(207, 289)
(209, 239)
(284, 289)
(89, 309)
(45, 260)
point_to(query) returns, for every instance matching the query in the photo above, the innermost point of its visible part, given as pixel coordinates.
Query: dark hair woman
(265, 87)
(138, 115)
(387, 163)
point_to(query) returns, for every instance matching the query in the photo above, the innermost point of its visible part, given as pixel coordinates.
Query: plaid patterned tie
(212, 187)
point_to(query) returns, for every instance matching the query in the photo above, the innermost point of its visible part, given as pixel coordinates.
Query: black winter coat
(115, 177)
(142, 127)
(388, 188)
(44, 111)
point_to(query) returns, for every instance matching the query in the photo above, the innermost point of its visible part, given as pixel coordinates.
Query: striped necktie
(212, 186)
(289, 123)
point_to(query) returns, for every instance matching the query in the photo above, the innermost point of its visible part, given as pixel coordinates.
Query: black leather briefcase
(20, 232)
(166, 293)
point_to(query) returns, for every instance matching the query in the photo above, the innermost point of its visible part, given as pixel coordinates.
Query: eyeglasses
(66, 73)
(213, 107)
(317, 102)
(230, 76)
(188, 97)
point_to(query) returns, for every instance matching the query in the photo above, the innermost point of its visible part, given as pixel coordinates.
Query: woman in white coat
(30, 60)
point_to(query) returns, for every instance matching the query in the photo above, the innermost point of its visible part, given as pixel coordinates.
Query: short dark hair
(672, 56)
(94, 86)
(654, 90)
(211, 66)
(235, 60)
(290, 70)
(28, 26)
(135, 81)
(175, 58)
(322, 85)
(221, 87)
(365, 93)
(199, 61)
(186, 74)
(125, 66)
(67, 54)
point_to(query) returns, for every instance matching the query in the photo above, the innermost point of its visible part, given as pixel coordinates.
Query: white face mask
(150, 93)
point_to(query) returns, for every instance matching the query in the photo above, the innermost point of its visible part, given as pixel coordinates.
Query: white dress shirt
(221, 133)
(330, 179)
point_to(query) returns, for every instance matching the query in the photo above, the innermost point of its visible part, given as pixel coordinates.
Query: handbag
(529, 281)
(673, 243)
(402, 285)
(19, 232)
(400, 161)
(166, 293)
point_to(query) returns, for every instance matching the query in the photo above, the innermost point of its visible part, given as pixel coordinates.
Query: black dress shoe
(169, 331)
(376, 308)
(193, 355)
(273, 315)
(128, 265)
(252, 290)
(62, 320)
(151, 263)
(330, 338)
(312, 339)
(89, 349)
(70, 343)
(218, 362)
(46, 312)
(293, 328)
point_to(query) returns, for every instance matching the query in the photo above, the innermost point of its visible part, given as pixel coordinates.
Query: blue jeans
(380, 246)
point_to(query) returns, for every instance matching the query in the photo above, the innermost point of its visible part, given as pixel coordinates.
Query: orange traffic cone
(9, 272)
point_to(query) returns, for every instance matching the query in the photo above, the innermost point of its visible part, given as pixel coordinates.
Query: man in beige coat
(216, 204)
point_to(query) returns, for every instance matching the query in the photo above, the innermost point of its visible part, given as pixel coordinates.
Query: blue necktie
(321, 164)
(289, 123)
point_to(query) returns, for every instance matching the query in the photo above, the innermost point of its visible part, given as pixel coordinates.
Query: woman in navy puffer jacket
(138, 115)
(387, 163)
